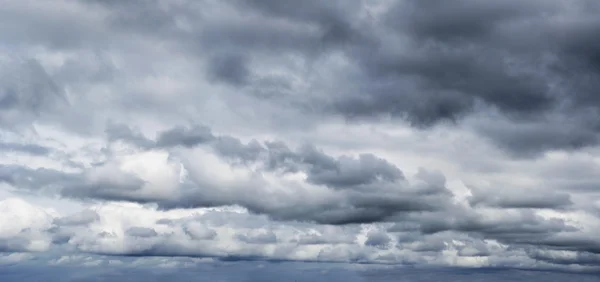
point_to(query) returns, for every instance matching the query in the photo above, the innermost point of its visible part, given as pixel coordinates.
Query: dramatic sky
(258, 140)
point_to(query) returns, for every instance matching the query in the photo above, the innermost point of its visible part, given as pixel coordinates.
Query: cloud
(229, 68)
(27, 92)
(422, 62)
(401, 132)
(512, 199)
(23, 226)
(360, 189)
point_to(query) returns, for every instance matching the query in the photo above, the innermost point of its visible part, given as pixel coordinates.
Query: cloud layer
(394, 132)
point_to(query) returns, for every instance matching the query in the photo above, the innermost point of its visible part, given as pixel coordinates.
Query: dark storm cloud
(425, 62)
(534, 62)
(460, 59)
(443, 69)
(450, 60)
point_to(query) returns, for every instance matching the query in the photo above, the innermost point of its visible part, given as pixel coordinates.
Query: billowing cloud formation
(404, 132)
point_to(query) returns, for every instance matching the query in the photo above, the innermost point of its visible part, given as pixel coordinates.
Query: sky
(272, 140)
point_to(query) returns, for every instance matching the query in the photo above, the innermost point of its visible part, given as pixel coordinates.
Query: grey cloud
(119, 186)
(323, 169)
(105, 189)
(204, 235)
(27, 93)
(366, 189)
(574, 177)
(467, 58)
(234, 150)
(570, 242)
(27, 178)
(351, 207)
(184, 137)
(59, 235)
(330, 17)
(527, 139)
(429, 246)
(53, 29)
(452, 21)
(117, 131)
(472, 78)
(258, 237)
(424, 62)
(139, 16)
(520, 231)
(351, 172)
(15, 244)
(320, 239)
(527, 226)
(81, 218)
(514, 227)
(475, 249)
(370, 188)
(231, 69)
(142, 232)
(199, 232)
(448, 85)
(32, 149)
(521, 228)
(454, 60)
(561, 257)
(378, 239)
(521, 198)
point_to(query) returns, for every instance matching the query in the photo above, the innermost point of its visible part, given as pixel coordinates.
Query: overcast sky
(268, 136)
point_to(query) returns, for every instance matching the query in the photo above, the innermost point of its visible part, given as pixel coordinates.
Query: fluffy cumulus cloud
(391, 133)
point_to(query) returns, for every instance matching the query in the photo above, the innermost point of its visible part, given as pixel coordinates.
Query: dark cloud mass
(378, 134)
(434, 61)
